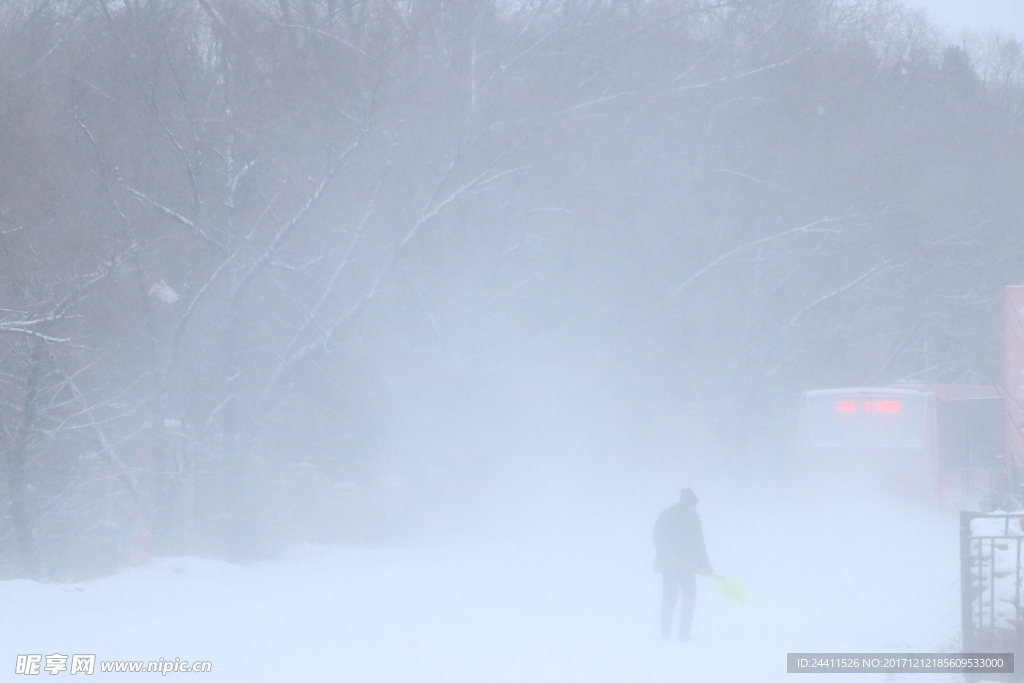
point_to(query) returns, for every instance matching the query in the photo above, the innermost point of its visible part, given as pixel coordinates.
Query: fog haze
(1005, 16)
(383, 331)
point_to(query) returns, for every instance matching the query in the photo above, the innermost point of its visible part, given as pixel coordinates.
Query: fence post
(966, 599)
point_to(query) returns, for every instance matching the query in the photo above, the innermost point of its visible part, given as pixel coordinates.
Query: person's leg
(688, 588)
(669, 593)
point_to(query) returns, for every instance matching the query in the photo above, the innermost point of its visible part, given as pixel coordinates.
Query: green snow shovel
(731, 589)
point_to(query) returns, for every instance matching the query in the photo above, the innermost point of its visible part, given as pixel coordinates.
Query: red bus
(919, 442)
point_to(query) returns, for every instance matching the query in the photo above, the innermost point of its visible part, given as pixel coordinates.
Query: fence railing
(991, 576)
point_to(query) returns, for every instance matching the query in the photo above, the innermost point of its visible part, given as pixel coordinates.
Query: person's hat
(688, 497)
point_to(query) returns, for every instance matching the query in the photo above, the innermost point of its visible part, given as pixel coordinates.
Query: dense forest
(325, 269)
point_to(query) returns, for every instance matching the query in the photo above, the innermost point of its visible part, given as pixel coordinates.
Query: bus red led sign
(867, 406)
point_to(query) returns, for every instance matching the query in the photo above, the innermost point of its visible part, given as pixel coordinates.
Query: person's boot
(685, 638)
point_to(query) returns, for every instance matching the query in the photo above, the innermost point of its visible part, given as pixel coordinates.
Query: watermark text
(34, 665)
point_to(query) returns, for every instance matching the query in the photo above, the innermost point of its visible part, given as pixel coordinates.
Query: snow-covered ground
(575, 602)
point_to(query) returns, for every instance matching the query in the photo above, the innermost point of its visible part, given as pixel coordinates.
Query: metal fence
(991, 575)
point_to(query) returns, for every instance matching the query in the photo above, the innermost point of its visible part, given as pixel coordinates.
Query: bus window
(869, 421)
(971, 433)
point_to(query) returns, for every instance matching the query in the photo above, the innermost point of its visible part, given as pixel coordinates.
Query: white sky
(1006, 16)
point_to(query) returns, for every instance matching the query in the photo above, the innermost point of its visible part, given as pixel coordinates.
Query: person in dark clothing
(679, 556)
